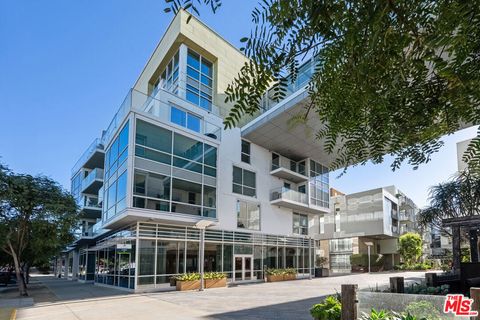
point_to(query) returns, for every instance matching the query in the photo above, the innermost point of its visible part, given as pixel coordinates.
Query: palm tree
(459, 197)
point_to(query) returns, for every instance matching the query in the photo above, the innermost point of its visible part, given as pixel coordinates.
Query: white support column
(75, 265)
(202, 259)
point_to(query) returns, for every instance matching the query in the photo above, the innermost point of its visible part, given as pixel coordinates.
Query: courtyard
(53, 298)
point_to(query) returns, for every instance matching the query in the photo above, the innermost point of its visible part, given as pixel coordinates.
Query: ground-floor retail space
(146, 256)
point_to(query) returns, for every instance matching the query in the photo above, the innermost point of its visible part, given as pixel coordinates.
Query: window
(322, 225)
(341, 245)
(185, 119)
(337, 220)
(300, 223)
(149, 188)
(244, 182)
(199, 80)
(245, 151)
(248, 215)
(168, 80)
(319, 185)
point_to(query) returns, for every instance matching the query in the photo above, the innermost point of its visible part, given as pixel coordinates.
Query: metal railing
(158, 105)
(92, 148)
(288, 194)
(89, 202)
(95, 174)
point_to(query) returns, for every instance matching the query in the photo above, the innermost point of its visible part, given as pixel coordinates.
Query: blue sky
(65, 67)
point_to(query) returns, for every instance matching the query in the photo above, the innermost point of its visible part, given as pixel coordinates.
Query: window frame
(249, 203)
(300, 227)
(186, 118)
(245, 156)
(190, 87)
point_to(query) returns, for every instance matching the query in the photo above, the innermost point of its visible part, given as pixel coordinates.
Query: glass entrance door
(243, 267)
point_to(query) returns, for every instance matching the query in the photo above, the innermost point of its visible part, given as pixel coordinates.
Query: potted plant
(187, 281)
(274, 275)
(215, 280)
(290, 274)
(321, 264)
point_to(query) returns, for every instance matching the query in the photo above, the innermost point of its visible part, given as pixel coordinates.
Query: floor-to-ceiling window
(199, 80)
(319, 185)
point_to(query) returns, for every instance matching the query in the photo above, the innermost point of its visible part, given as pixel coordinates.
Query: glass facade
(184, 190)
(319, 185)
(166, 250)
(199, 80)
(115, 181)
(185, 119)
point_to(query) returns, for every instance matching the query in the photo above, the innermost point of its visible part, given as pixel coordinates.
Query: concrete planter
(188, 285)
(215, 283)
(287, 277)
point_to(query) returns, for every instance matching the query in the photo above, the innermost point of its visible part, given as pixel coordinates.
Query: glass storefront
(165, 251)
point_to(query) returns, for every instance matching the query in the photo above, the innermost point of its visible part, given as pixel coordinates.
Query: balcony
(288, 169)
(93, 182)
(93, 157)
(158, 105)
(90, 207)
(295, 200)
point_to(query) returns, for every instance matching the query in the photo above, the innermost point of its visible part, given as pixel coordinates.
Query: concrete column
(76, 263)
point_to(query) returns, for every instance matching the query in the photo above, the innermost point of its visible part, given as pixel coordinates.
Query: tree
(410, 247)
(459, 197)
(391, 77)
(36, 219)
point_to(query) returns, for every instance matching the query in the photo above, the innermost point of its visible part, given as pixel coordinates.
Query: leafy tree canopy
(37, 218)
(391, 77)
(410, 247)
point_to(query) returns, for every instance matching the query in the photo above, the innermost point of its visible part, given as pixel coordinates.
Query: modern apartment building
(165, 167)
(374, 218)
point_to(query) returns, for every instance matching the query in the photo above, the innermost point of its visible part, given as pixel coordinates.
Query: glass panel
(193, 122)
(139, 184)
(123, 138)
(157, 205)
(237, 175)
(178, 116)
(146, 257)
(122, 187)
(186, 192)
(238, 268)
(188, 165)
(249, 178)
(207, 68)
(193, 59)
(248, 268)
(154, 137)
(209, 196)
(192, 97)
(188, 148)
(152, 155)
(210, 157)
(158, 186)
(192, 257)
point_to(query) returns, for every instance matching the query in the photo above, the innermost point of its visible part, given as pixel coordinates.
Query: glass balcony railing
(159, 106)
(92, 148)
(89, 202)
(283, 162)
(304, 75)
(288, 194)
(95, 174)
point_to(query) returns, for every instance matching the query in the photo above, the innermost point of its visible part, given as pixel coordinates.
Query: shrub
(423, 289)
(376, 315)
(415, 266)
(361, 260)
(329, 309)
(277, 272)
(188, 277)
(423, 309)
(214, 275)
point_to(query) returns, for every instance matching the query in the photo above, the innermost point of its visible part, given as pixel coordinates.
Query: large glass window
(153, 137)
(248, 215)
(341, 245)
(199, 80)
(319, 185)
(115, 185)
(244, 182)
(168, 79)
(300, 223)
(185, 119)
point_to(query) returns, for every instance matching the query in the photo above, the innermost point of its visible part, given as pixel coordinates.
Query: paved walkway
(280, 300)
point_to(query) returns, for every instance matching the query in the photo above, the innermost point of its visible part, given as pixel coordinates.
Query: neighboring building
(461, 148)
(164, 164)
(378, 216)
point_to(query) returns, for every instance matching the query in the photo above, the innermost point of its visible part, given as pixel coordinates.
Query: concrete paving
(279, 300)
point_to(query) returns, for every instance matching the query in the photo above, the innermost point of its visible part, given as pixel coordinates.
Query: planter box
(215, 283)
(289, 277)
(188, 285)
(274, 278)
